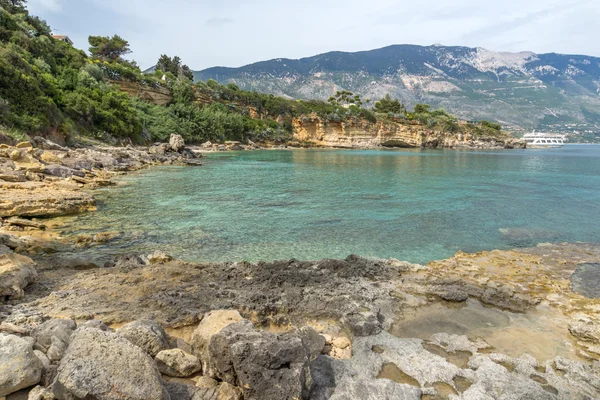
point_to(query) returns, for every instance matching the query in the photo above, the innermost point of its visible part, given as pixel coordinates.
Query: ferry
(544, 140)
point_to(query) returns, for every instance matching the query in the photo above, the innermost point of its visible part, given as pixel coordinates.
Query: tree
(174, 66)
(422, 108)
(107, 48)
(13, 6)
(387, 105)
(345, 97)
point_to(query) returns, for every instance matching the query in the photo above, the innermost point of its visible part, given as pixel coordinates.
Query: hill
(548, 91)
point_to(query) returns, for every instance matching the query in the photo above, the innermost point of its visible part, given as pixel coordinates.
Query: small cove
(416, 205)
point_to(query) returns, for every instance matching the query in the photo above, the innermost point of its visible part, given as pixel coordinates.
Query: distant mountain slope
(524, 89)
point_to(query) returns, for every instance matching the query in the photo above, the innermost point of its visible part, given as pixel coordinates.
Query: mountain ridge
(524, 89)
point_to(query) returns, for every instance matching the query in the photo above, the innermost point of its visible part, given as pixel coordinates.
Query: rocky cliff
(314, 131)
(156, 95)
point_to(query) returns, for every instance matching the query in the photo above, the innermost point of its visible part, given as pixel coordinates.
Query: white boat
(538, 140)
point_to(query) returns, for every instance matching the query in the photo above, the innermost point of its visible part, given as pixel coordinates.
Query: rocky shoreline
(497, 325)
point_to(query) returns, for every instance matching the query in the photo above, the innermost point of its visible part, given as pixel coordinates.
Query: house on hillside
(63, 38)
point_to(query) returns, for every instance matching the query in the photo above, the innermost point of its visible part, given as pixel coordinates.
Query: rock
(49, 157)
(239, 354)
(25, 222)
(41, 393)
(177, 363)
(96, 324)
(48, 144)
(341, 342)
(126, 261)
(159, 149)
(61, 171)
(14, 155)
(59, 329)
(104, 366)
(47, 202)
(159, 257)
(16, 272)
(19, 366)
(206, 382)
(177, 143)
(212, 323)
(147, 335)
(24, 145)
(45, 360)
(229, 392)
(12, 176)
(57, 349)
(455, 296)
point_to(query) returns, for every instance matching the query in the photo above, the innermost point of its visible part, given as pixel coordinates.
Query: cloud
(296, 29)
(218, 22)
(54, 6)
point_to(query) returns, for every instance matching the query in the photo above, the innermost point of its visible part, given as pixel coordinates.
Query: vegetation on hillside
(49, 87)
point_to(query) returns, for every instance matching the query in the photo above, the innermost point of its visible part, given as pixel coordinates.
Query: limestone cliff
(314, 131)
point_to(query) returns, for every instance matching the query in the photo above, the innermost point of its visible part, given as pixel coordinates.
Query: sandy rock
(58, 329)
(41, 393)
(104, 366)
(212, 323)
(23, 145)
(147, 335)
(177, 143)
(229, 392)
(12, 176)
(16, 272)
(19, 366)
(25, 223)
(177, 363)
(50, 158)
(159, 149)
(253, 360)
(14, 155)
(159, 257)
(46, 202)
(206, 382)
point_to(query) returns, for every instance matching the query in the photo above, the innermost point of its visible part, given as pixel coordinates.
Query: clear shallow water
(415, 205)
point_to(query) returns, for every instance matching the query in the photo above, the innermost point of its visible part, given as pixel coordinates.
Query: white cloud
(206, 33)
(53, 6)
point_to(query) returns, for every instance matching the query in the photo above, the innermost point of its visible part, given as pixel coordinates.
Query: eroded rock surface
(104, 366)
(19, 366)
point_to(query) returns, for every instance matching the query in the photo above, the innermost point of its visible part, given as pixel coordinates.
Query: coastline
(358, 320)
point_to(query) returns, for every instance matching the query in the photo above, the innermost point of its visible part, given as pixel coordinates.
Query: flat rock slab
(44, 202)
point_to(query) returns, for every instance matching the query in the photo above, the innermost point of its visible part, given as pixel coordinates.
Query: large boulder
(177, 363)
(177, 143)
(102, 365)
(16, 272)
(19, 366)
(147, 335)
(254, 360)
(212, 323)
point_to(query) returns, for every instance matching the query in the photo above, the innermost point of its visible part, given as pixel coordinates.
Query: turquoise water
(415, 205)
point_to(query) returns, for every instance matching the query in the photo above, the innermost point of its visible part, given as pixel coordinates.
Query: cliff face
(314, 131)
(158, 96)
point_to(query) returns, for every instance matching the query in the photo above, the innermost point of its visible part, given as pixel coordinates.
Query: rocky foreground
(491, 325)
(150, 327)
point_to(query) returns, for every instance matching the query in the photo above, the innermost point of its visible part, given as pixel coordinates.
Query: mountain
(516, 89)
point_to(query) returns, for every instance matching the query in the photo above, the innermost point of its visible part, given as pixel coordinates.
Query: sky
(208, 33)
